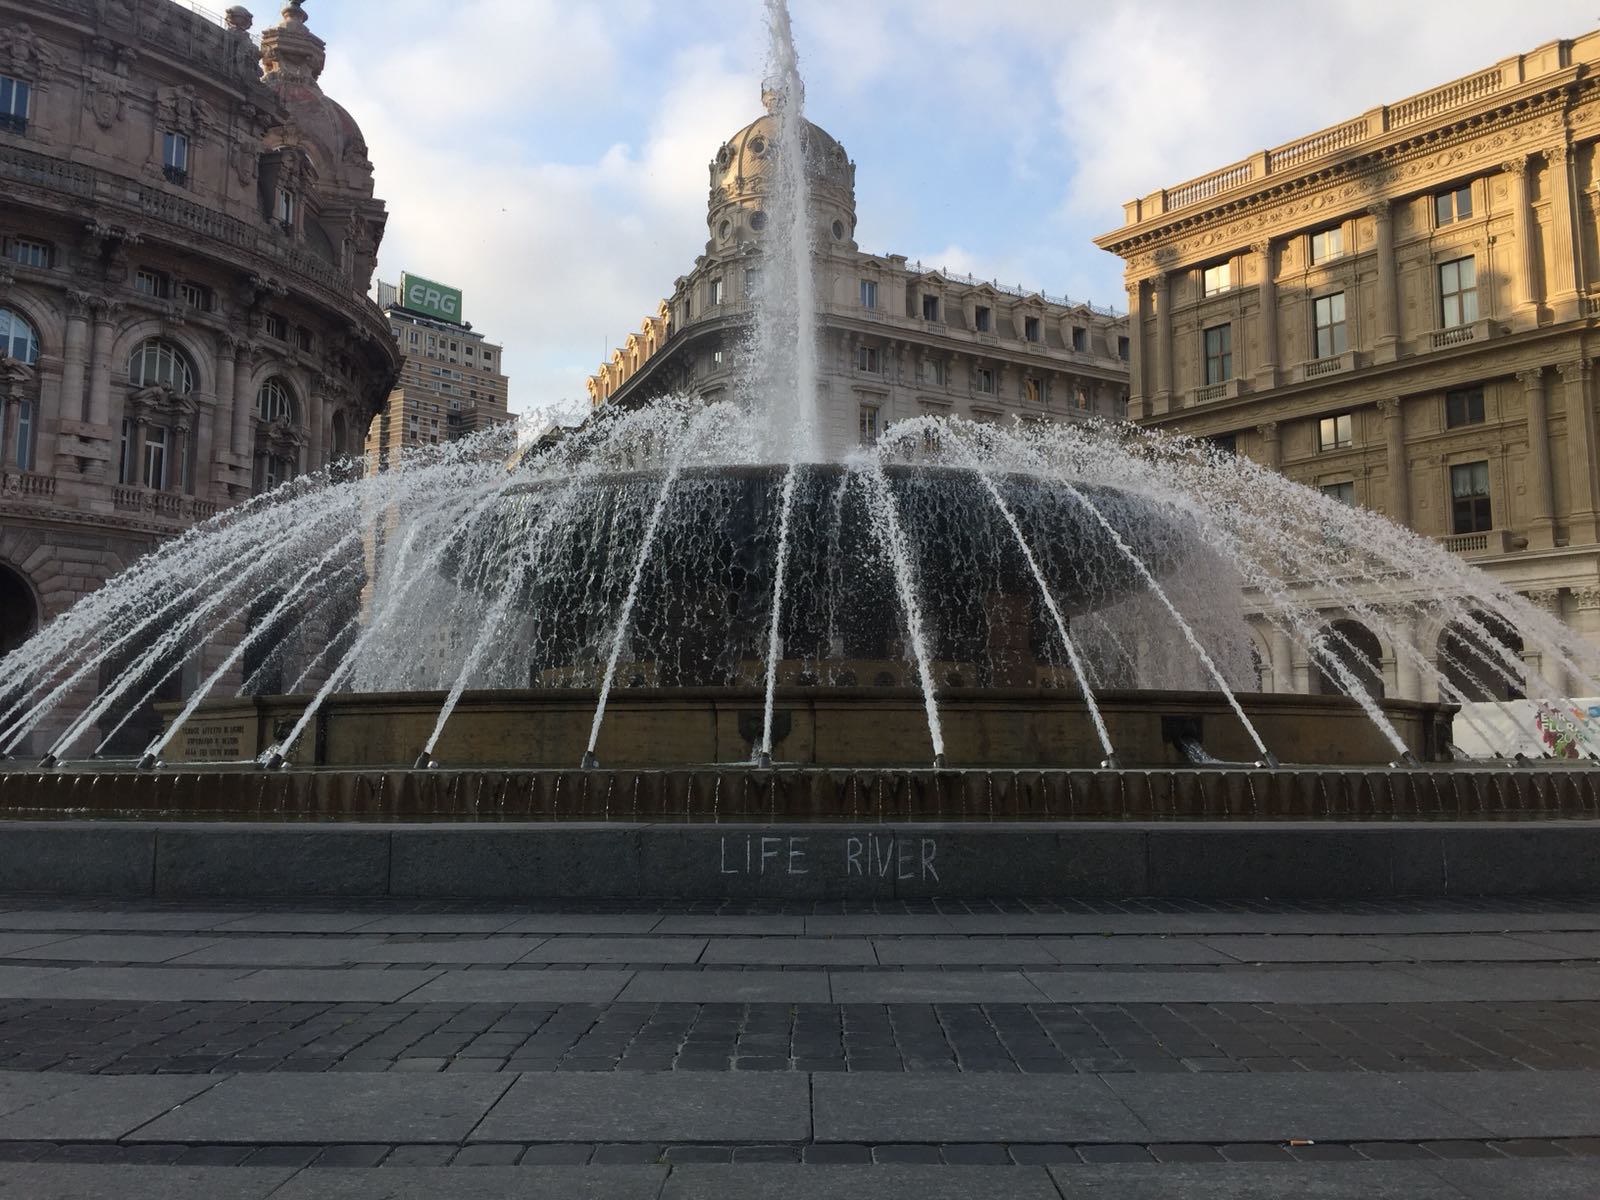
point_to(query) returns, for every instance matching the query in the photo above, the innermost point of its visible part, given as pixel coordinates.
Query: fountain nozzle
(272, 761)
(1110, 763)
(763, 761)
(938, 761)
(1407, 759)
(590, 762)
(49, 761)
(1268, 760)
(149, 761)
(425, 762)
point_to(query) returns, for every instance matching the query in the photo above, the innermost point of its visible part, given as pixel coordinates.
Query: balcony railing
(175, 175)
(13, 123)
(26, 483)
(1489, 541)
(1456, 335)
(1317, 368)
(1226, 390)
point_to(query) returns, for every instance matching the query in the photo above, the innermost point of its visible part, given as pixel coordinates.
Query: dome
(292, 58)
(741, 168)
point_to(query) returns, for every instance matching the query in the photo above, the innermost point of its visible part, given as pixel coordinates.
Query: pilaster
(1267, 372)
(1541, 497)
(1394, 444)
(1563, 280)
(1386, 348)
(1581, 448)
(1525, 286)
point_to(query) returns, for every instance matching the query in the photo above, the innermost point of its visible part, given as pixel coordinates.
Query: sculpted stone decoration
(23, 53)
(1586, 597)
(180, 108)
(1548, 599)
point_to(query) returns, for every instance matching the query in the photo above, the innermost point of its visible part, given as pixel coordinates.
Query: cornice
(1366, 177)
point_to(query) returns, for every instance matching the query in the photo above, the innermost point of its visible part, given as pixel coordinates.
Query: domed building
(189, 234)
(897, 339)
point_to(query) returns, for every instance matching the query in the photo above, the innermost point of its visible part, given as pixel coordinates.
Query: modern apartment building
(1401, 311)
(452, 380)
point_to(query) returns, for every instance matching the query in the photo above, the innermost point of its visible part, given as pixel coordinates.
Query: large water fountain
(686, 585)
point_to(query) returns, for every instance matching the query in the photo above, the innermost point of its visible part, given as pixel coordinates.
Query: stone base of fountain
(655, 728)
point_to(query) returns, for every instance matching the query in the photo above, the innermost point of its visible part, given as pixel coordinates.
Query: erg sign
(431, 299)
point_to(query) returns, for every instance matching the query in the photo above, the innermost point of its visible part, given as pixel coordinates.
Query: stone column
(1542, 680)
(1586, 620)
(99, 411)
(222, 438)
(1164, 347)
(315, 459)
(8, 439)
(177, 448)
(136, 454)
(1581, 469)
(1407, 675)
(1525, 295)
(1387, 346)
(1562, 286)
(1541, 497)
(243, 403)
(1282, 662)
(74, 358)
(1136, 395)
(1271, 445)
(1267, 372)
(1394, 443)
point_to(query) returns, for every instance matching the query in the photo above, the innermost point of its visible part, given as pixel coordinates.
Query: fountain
(683, 609)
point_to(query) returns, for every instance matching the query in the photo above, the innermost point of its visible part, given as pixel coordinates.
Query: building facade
(189, 235)
(452, 380)
(896, 340)
(1401, 311)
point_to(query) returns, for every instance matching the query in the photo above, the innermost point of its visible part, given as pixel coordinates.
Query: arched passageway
(1358, 650)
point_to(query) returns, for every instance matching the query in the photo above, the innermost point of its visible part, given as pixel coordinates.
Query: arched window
(1358, 650)
(159, 363)
(274, 401)
(1481, 659)
(18, 339)
(19, 614)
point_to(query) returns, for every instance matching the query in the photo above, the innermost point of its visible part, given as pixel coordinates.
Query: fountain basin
(861, 727)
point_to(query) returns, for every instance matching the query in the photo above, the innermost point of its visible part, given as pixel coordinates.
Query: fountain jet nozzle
(1407, 759)
(938, 761)
(272, 761)
(1110, 763)
(1268, 761)
(763, 761)
(149, 761)
(48, 761)
(425, 762)
(590, 762)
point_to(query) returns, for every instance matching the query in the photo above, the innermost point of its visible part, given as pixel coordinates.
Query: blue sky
(549, 156)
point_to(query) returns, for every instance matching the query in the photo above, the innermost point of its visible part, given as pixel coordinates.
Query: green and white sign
(431, 299)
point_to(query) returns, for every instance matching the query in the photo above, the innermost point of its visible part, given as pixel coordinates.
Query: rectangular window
(1344, 491)
(29, 253)
(1080, 338)
(13, 105)
(867, 359)
(716, 357)
(124, 458)
(276, 327)
(716, 292)
(155, 456)
(1123, 348)
(302, 337)
(1219, 353)
(150, 283)
(25, 436)
(196, 296)
(1458, 292)
(1449, 207)
(1464, 407)
(1032, 390)
(752, 282)
(983, 380)
(869, 294)
(1224, 443)
(1030, 329)
(1469, 498)
(1328, 312)
(982, 318)
(175, 157)
(486, 359)
(415, 337)
(1080, 397)
(869, 424)
(933, 371)
(283, 208)
(1219, 278)
(1327, 245)
(930, 308)
(1335, 433)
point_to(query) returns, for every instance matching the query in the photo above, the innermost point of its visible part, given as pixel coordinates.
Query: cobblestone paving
(1356, 1050)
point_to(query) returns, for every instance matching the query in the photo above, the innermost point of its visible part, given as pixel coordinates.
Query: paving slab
(879, 925)
(442, 923)
(89, 1107)
(121, 983)
(1572, 944)
(935, 987)
(522, 987)
(870, 1107)
(764, 924)
(341, 1107)
(1134, 950)
(669, 1106)
(803, 951)
(476, 1183)
(117, 948)
(1458, 947)
(728, 987)
(577, 922)
(337, 951)
(1152, 987)
(771, 1181)
(1525, 1179)
(1515, 1104)
(961, 951)
(75, 1181)
(1275, 1107)
(1297, 948)
(1257, 1181)
(295, 922)
(581, 949)
(1510, 982)
(134, 920)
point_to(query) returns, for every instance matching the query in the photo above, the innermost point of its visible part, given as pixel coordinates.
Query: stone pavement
(705, 1051)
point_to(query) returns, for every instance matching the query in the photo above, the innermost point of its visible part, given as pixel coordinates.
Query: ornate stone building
(189, 234)
(1401, 310)
(897, 340)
